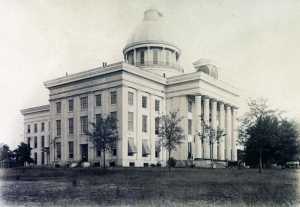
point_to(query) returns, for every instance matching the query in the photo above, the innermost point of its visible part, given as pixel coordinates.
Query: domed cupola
(149, 46)
(206, 66)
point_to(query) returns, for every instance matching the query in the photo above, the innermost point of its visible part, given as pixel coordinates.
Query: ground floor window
(43, 158)
(58, 150)
(35, 158)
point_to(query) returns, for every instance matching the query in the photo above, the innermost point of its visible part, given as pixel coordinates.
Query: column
(234, 134)
(163, 150)
(52, 130)
(214, 126)
(77, 129)
(206, 120)
(148, 56)
(64, 131)
(122, 116)
(221, 152)
(163, 56)
(134, 57)
(138, 128)
(198, 142)
(228, 133)
(152, 125)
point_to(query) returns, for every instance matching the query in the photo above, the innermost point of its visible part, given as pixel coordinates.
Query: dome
(152, 30)
(207, 66)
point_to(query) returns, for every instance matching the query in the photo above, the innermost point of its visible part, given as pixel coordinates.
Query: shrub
(172, 162)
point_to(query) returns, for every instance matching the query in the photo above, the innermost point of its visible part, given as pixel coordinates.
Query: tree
(287, 146)
(211, 136)
(170, 132)
(23, 153)
(255, 131)
(5, 152)
(103, 135)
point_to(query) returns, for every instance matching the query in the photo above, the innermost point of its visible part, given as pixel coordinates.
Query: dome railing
(159, 63)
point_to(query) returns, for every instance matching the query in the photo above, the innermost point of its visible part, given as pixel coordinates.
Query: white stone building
(148, 83)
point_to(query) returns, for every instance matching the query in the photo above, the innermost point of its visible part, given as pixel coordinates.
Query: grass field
(149, 187)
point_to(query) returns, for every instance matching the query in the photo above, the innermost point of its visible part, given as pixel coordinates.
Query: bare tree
(211, 136)
(170, 132)
(103, 135)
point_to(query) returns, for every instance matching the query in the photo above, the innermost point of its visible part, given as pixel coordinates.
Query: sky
(255, 43)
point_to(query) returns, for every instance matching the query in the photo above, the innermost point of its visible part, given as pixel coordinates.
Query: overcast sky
(256, 44)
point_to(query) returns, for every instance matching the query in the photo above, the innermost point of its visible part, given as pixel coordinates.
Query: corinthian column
(234, 135)
(214, 126)
(228, 132)
(198, 143)
(206, 120)
(222, 126)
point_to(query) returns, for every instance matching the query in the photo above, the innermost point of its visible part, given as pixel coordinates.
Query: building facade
(148, 83)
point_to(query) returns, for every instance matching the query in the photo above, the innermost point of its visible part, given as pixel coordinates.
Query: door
(84, 152)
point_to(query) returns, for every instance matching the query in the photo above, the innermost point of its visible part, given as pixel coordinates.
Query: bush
(172, 162)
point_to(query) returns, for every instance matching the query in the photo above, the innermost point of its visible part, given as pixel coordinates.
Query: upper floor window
(189, 126)
(142, 57)
(43, 141)
(58, 107)
(98, 100)
(144, 102)
(28, 128)
(71, 105)
(98, 119)
(130, 98)
(113, 97)
(156, 105)
(58, 127)
(155, 56)
(84, 124)
(83, 103)
(71, 126)
(144, 123)
(43, 126)
(190, 106)
(114, 119)
(49, 126)
(35, 142)
(130, 121)
(35, 128)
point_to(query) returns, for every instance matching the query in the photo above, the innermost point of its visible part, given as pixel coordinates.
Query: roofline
(151, 42)
(35, 109)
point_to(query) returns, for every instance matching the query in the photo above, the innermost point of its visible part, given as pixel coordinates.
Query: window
(142, 57)
(83, 103)
(49, 126)
(58, 150)
(190, 126)
(98, 100)
(43, 126)
(114, 119)
(28, 141)
(35, 158)
(130, 98)
(28, 128)
(157, 149)
(35, 142)
(98, 153)
(144, 102)
(113, 96)
(84, 122)
(71, 105)
(114, 149)
(58, 127)
(156, 105)
(189, 150)
(167, 58)
(144, 126)
(189, 106)
(43, 158)
(43, 141)
(157, 125)
(130, 121)
(98, 119)
(70, 149)
(71, 124)
(35, 128)
(155, 56)
(58, 107)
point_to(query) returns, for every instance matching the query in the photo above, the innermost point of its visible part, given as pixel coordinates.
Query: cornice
(43, 108)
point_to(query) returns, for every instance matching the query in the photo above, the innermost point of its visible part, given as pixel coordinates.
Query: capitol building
(149, 82)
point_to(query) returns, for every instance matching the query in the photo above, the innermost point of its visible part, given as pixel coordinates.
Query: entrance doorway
(84, 152)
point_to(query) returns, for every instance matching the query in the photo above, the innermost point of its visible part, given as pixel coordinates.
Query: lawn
(149, 187)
